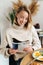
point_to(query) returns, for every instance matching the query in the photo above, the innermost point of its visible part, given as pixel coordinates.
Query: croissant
(34, 63)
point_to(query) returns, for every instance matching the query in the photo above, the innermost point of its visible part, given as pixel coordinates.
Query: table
(28, 58)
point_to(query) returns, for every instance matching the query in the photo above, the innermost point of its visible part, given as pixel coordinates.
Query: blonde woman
(22, 30)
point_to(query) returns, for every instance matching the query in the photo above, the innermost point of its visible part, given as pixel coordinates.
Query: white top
(23, 35)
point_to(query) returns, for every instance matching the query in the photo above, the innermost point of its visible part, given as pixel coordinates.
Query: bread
(34, 63)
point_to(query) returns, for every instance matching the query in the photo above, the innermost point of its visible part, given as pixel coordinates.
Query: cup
(15, 46)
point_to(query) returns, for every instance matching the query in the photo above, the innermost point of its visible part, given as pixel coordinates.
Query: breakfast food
(41, 59)
(34, 63)
(37, 53)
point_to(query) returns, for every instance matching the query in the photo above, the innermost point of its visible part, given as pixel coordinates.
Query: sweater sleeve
(3, 49)
(36, 41)
(7, 41)
(9, 37)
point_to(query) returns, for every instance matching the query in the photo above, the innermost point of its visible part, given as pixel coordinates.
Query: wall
(39, 17)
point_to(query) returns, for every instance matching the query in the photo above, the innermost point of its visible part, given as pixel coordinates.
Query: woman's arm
(36, 41)
(36, 44)
(9, 37)
(7, 41)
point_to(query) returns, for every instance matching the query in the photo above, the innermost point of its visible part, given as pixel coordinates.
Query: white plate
(38, 55)
(40, 58)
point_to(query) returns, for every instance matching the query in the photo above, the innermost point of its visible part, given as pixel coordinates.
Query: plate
(38, 55)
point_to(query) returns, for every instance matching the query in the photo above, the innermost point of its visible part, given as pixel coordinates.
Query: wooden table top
(28, 58)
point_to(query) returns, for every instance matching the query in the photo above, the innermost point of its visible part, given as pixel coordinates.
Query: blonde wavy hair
(31, 10)
(29, 20)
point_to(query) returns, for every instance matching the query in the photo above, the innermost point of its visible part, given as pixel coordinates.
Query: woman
(22, 31)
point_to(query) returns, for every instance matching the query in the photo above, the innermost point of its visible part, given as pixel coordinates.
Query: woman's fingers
(12, 51)
(28, 49)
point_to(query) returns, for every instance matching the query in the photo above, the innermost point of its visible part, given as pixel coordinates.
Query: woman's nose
(23, 20)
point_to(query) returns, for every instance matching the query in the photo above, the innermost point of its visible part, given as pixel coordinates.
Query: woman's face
(22, 18)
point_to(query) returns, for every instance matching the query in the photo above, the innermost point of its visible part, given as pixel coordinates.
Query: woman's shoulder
(9, 30)
(32, 28)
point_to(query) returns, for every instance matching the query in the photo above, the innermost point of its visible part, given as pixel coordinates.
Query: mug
(15, 46)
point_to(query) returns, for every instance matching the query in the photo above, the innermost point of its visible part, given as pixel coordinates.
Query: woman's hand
(13, 51)
(28, 49)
